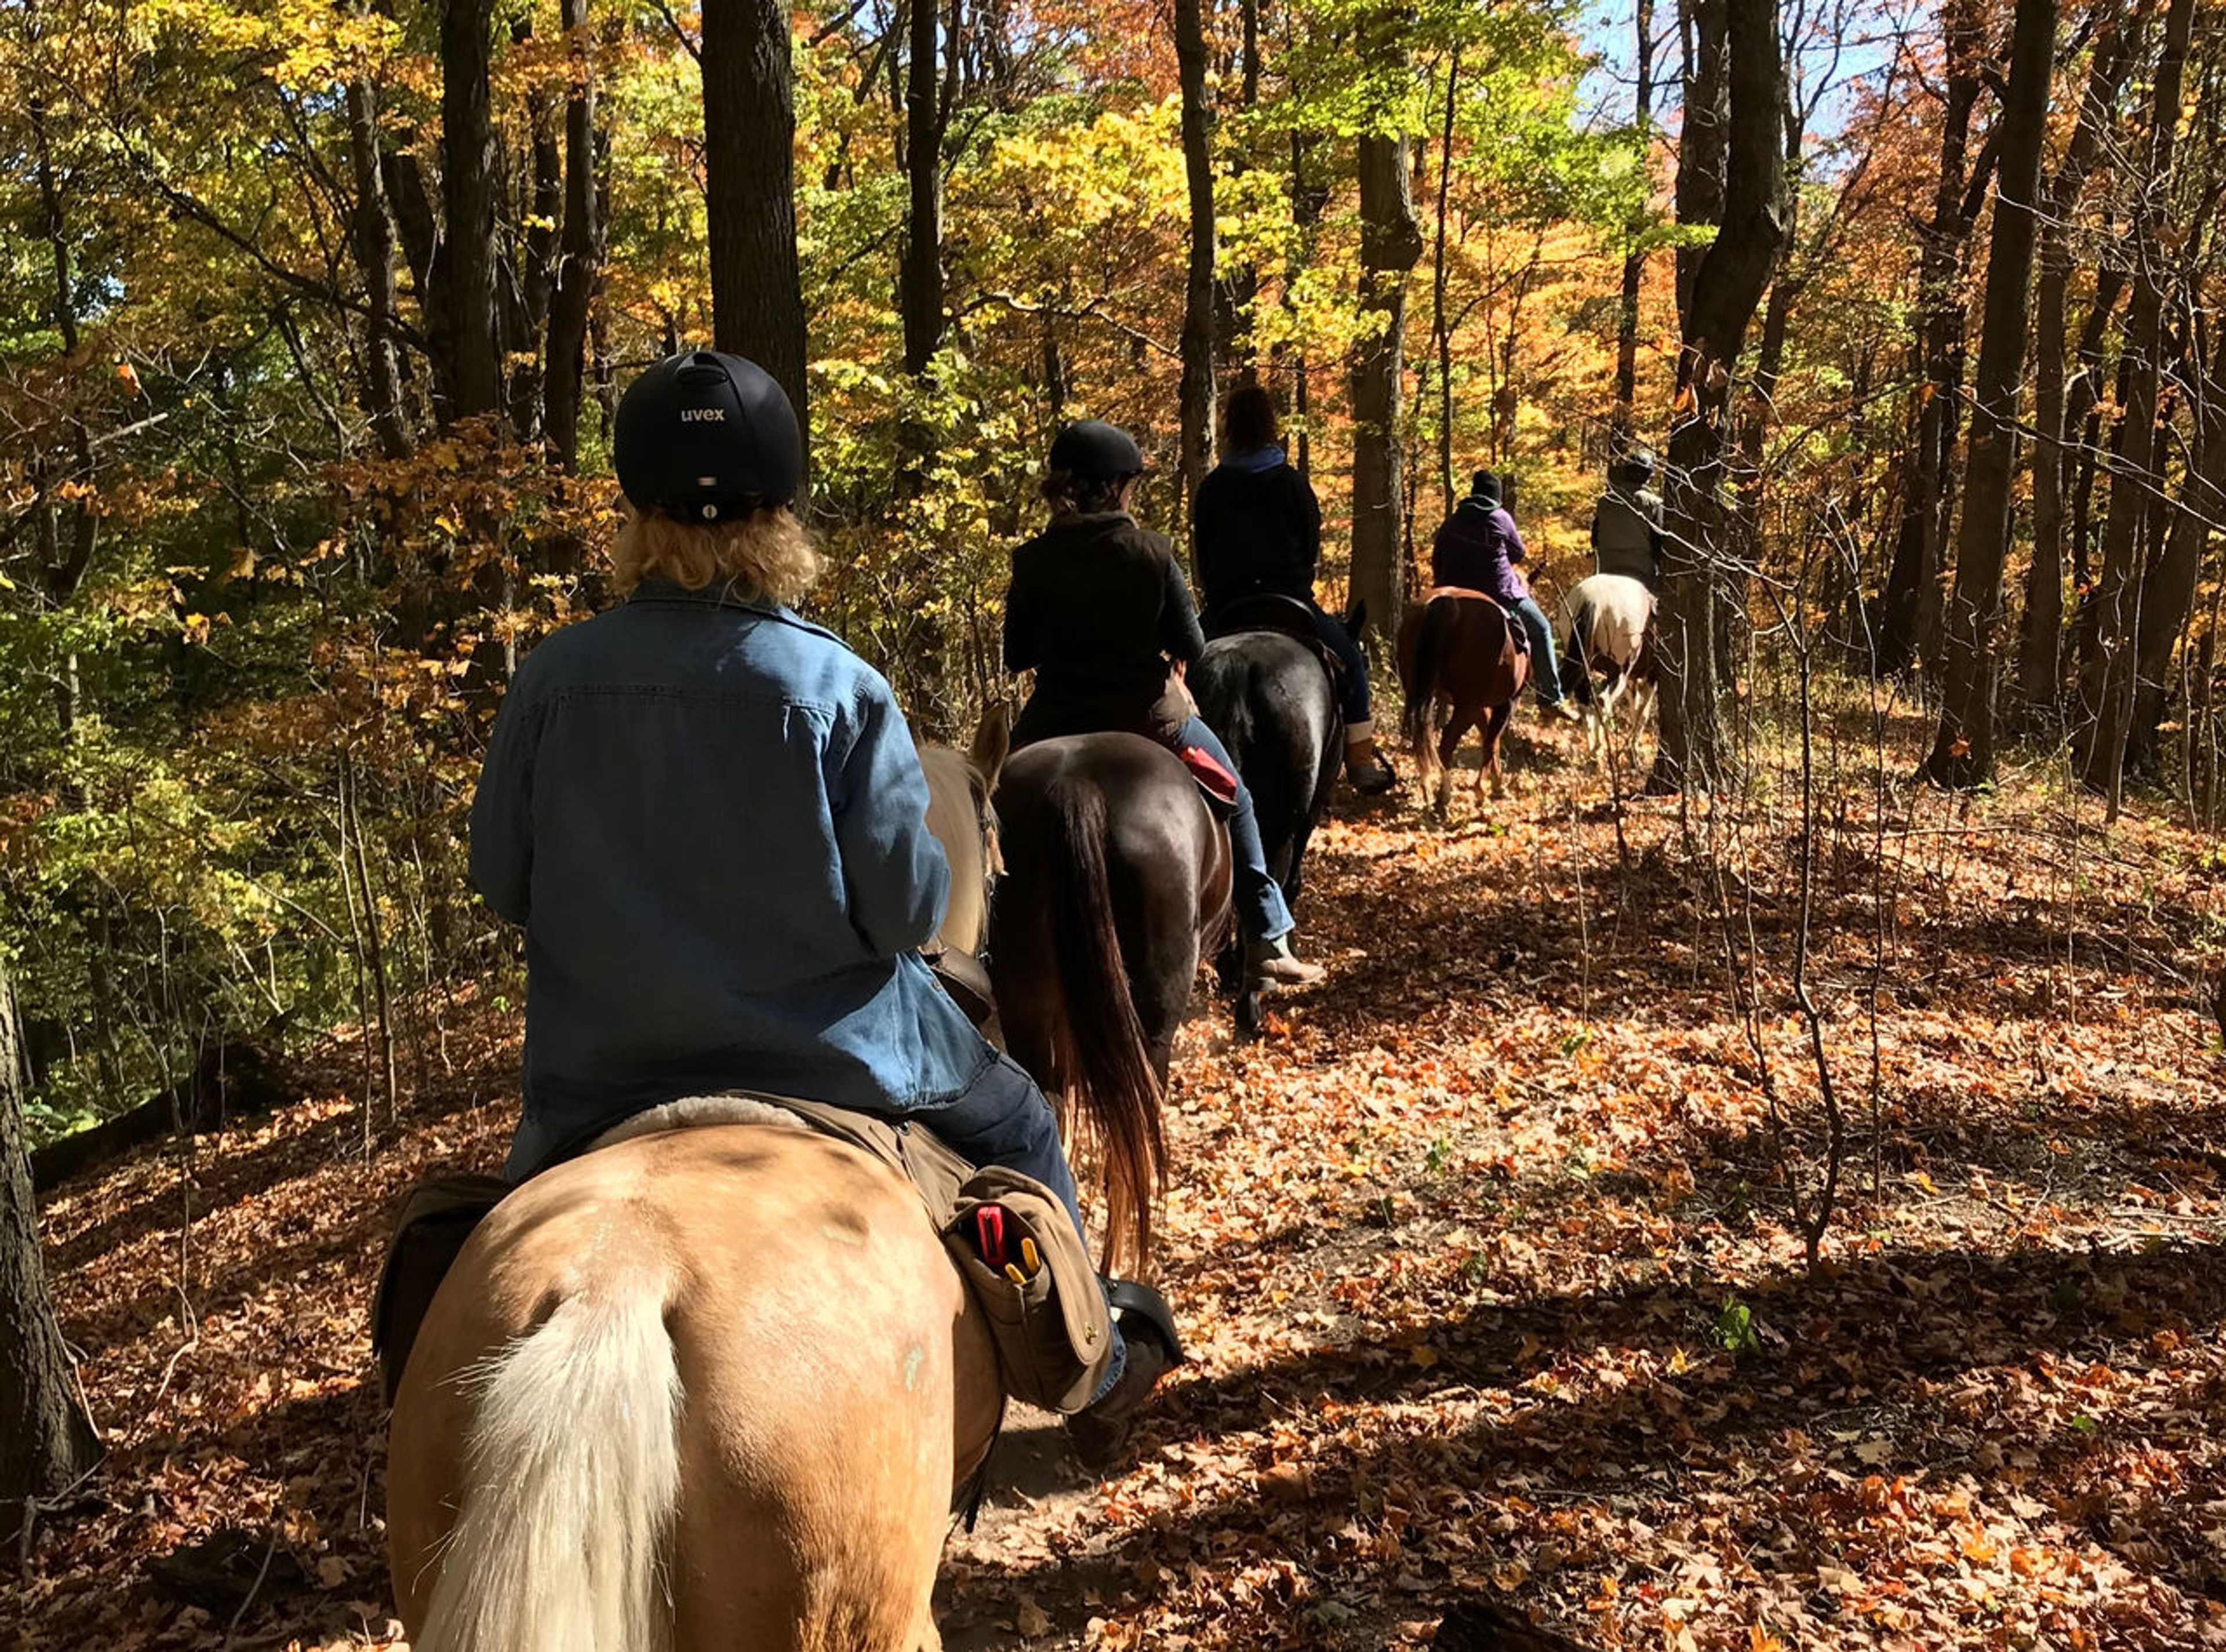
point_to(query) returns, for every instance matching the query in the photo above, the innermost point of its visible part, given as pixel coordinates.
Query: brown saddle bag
(1052, 1327)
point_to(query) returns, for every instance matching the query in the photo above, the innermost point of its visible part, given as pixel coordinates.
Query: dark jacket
(1627, 525)
(1097, 609)
(1255, 529)
(709, 818)
(1477, 550)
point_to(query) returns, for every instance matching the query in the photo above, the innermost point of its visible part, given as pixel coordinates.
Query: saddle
(1015, 1246)
(1284, 615)
(1520, 634)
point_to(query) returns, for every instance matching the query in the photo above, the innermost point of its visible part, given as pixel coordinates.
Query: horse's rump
(830, 1387)
(1609, 617)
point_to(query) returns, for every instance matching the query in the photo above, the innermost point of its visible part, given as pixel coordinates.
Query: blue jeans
(1353, 703)
(1261, 912)
(1545, 668)
(1002, 1118)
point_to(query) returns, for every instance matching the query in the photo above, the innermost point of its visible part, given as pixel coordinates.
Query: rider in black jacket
(1256, 528)
(1098, 611)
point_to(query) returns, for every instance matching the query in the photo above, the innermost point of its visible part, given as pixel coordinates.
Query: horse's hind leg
(1457, 727)
(1491, 727)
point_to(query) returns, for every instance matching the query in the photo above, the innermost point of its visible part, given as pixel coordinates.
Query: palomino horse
(1267, 691)
(1611, 621)
(1458, 648)
(1116, 879)
(698, 1388)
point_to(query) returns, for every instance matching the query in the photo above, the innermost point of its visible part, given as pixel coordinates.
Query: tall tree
(920, 280)
(2107, 670)
(1719, 302)
(2039, 677)
(45, 1441)
(1198, 389)
(580, 268)
(1936, 350)
(1390, 244)
(749, 137)
(470, 181)
(1963, 751)
(1634, 257)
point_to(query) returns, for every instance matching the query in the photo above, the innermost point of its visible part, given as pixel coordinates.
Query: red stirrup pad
(1218, 782)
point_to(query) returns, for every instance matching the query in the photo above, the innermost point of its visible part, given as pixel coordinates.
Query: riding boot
(1100, 1432)
(1272, 964)
(1366, 772)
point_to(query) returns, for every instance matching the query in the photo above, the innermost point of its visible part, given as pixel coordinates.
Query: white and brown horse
(697, 1389)
(1611, 636)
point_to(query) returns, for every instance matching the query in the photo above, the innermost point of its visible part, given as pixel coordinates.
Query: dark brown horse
(1116, 880)
(1458, 649)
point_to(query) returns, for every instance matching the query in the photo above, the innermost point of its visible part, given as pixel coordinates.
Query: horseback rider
(1098, 610)
(1627, 521)
(709, 818)
(1477, 548)
(1255, 528)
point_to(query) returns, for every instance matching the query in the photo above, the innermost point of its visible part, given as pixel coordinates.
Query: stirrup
(1128, 1297)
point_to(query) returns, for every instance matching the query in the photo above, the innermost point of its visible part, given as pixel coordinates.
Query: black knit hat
(1484, 484)
(706, 436)
(1097, 451)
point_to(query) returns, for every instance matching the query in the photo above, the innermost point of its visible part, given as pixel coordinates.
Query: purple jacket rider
(1477, 548)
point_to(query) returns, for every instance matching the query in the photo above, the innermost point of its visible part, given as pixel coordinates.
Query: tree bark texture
(2107, 670)
(1937, 350)
(470, 181)
(579, 270)
(749, 136)
(1719, 303)
(1390, 244)
(45, 1441)
(1702, 146)
(370, 236)
(921, 278)
(2039, 677)
(2169, 595)
(1198, 330)
(1634, 258)
(1963, 751)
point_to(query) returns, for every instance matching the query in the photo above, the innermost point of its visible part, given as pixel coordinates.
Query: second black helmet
(1097, 451)
(707, 436)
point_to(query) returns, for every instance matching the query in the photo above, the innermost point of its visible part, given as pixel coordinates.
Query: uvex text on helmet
(1096, 450)
(706, 436)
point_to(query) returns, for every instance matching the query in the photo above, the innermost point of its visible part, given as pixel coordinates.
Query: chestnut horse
(698, 1388)
(1116, 880)
(1458, 648)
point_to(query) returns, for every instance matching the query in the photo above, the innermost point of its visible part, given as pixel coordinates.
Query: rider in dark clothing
(1627, 522)
(1256, 529)
(1098, 610)
(1479, 549)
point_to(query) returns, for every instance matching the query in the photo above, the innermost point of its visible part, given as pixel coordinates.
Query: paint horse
(1611, 636)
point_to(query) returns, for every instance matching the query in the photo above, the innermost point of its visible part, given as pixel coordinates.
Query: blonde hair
(768, 552)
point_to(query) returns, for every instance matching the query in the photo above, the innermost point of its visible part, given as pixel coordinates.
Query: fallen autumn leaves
(1483, 1258)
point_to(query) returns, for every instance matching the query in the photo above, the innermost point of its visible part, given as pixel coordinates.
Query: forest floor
(1486, 1254)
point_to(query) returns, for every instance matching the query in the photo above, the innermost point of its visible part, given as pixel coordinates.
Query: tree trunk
(1719, 303)
(1390, 244)
(1634, 258)
(1235, 297)
(46, 1443)
(1964, 751)
(2169, 596)
(2039, 675)
(370, 235)
(1937, 350)
(468, 182)
(749, 134)
(1701, 151)
(1440, 321)
(580, 268)
(2106, 678)
(921, 278)
(1198, 389)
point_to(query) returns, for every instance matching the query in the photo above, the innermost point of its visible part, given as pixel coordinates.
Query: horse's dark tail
(1432, 638)
(1104, 1058)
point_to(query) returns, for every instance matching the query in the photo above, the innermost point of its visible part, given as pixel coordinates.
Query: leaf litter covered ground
(1484, 1256)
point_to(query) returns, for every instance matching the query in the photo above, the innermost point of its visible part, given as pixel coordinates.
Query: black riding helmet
(706, 436)
(1097, 451)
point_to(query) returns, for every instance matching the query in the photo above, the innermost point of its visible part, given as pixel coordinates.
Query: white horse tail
(571, 1481)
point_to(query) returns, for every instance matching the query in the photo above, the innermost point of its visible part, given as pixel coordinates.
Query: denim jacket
(711, 818)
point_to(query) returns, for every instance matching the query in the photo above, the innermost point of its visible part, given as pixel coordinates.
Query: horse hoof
(1249, 1014)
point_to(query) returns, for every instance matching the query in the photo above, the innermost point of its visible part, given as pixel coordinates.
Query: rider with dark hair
(1478, 550)
(1255, 529)
(1098, 610)
(709, 818)
(1627, 521)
